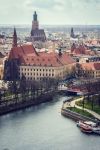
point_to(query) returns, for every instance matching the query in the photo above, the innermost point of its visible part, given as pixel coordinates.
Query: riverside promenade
(73, 104)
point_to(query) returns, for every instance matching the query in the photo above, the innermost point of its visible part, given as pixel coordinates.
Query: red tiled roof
(16, 52)
(91, 66)
(81, 49)
(28, 56)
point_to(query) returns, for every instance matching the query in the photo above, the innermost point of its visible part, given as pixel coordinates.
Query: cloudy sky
(50, 12)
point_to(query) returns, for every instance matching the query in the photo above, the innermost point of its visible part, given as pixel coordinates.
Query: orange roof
(16, 52)
(28, 56)
(91, 66)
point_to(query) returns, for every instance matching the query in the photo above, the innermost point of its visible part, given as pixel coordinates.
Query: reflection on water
(43, 128)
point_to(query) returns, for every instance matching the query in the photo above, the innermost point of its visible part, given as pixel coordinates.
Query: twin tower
(36, 33)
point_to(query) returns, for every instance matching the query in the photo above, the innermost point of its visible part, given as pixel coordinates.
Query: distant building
(36, 33)
(25, 60)
(91, 70)
(81, 49)
(72, 33)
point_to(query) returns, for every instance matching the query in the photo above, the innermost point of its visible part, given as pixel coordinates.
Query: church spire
(72, 33)
(14, 38)
(35, 16)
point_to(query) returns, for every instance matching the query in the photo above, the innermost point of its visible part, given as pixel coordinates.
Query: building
(36, 33)
(77, 49)
(25, 60)
(91, 70)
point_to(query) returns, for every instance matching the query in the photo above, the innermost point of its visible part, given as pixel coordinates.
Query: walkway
(72, 104)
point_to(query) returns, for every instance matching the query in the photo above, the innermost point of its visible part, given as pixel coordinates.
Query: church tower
(35, 23)
(11, 66)
(14, 39)
(36, 33)
(72, 33)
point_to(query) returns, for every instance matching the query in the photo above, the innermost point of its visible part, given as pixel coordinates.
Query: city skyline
(55, 12)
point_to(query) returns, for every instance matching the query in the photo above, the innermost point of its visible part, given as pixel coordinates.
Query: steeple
(35, 16)
(14, 38)
(35, 23)
(72, 33)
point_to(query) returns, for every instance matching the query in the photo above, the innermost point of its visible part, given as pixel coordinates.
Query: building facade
(91, 70)
(36, 33)
(25, 60)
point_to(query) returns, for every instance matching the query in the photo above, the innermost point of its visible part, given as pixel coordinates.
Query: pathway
(72, 104)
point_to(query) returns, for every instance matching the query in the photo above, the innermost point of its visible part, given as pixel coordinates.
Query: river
(43, 128)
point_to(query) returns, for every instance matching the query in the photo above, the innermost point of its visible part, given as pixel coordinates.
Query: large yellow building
(25, 60)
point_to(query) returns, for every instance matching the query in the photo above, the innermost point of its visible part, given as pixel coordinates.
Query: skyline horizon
(55, 12)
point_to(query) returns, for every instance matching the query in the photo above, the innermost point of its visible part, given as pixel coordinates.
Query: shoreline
(26, 104)
(76, 116)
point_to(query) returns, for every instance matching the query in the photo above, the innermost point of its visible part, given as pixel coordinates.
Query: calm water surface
(43, 128)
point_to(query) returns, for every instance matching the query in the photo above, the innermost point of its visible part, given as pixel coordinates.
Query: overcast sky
(50, 12)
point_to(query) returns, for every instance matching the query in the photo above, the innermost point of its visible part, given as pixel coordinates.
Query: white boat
(90, 123)
(96, 130)
(88, 127)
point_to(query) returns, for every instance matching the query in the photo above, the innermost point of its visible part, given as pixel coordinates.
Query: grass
(88, 105)
(81, 112)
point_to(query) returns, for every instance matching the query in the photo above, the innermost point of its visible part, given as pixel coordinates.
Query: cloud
(51, 11)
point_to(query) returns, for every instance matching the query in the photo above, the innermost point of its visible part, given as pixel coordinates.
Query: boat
(86, 130)
(90, 123)
(88, 127)
(96, 130)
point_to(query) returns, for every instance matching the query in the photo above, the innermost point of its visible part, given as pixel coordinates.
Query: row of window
(24, 69)
(30, 78)
(36, 74)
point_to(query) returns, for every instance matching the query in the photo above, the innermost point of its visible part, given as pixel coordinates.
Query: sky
(50, 12)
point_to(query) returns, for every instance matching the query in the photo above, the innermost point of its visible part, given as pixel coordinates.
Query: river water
(43, 128)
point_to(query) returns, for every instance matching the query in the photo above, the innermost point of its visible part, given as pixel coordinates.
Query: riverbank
(25, 104)
(67, 112)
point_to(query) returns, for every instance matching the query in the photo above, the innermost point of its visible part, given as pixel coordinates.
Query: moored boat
(96, 130)
(86, 130)
(90, 123)
(88, 127)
